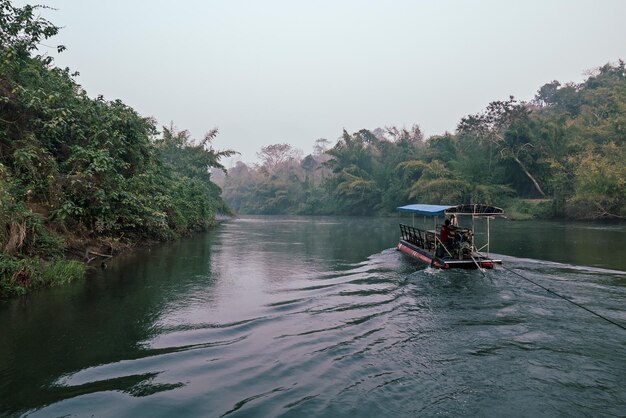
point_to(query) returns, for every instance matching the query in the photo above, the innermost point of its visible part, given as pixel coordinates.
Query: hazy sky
(267, 72)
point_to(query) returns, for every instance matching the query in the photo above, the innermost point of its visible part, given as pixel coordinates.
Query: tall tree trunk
(530, 176)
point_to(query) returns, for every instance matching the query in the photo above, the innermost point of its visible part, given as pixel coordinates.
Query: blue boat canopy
(428, 210)
(439, 210)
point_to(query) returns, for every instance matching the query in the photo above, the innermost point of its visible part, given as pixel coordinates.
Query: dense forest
(82, 178)
(560, 155)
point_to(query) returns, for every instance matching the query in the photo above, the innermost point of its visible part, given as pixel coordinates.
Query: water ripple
(379, 337)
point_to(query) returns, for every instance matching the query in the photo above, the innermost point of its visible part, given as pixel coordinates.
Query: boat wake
(380, 337)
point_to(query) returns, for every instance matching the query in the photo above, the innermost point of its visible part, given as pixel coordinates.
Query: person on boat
(453, 231)
(444, 236)
(444, 233)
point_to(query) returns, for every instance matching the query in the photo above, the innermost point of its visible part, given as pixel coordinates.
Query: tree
(601, 181)
(441, 147)
(350, 150)
(504, 124)
(21, 32)
(437, 184)
(413, 136)
(276, 155)
(547, 94)
(321, 145)
(308, 164)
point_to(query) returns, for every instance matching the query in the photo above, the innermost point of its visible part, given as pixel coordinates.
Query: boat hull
(426, 257)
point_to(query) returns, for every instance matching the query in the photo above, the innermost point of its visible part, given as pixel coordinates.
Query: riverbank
(527, 209)
(70, 260)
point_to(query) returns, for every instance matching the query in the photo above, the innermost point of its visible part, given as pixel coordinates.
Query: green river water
(322, 317)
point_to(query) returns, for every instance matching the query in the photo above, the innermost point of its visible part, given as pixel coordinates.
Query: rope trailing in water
(564, 298)
(482, 270)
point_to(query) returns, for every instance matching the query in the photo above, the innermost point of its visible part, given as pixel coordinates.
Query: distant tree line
(560, 155)
(81, 175)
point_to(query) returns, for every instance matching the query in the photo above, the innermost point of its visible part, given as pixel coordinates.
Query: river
(322, 317)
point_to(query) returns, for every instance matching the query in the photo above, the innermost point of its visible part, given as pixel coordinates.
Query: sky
(289, 71)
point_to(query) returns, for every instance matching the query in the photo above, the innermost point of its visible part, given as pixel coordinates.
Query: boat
(459, 250)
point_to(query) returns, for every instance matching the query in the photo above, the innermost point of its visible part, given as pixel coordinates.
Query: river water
(321, 317)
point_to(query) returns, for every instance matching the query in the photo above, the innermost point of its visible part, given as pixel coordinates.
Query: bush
(524, 209)
(60, 271)
(21, 275)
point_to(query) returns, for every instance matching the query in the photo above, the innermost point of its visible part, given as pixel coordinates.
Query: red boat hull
(427, 258)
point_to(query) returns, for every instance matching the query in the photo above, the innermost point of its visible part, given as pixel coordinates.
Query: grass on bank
(19, 276)
(526, 209)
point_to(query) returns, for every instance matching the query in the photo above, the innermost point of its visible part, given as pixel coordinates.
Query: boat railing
(460, 242)
(419, 237)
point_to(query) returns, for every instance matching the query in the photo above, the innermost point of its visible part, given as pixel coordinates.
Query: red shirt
(444, 233)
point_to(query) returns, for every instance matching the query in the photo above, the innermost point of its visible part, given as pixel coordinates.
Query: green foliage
(601, 181)
(99, 169)
(567, 147)
(588, 145)
(525, 209)
(84, 169)
(60, 271)
(19, 275)
(16, 275)
(21, 33)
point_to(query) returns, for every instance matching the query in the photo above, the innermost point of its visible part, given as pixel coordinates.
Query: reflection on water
(319, 317)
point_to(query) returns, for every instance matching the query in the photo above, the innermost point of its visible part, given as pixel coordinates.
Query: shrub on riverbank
(525, 209)
(19, 275)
